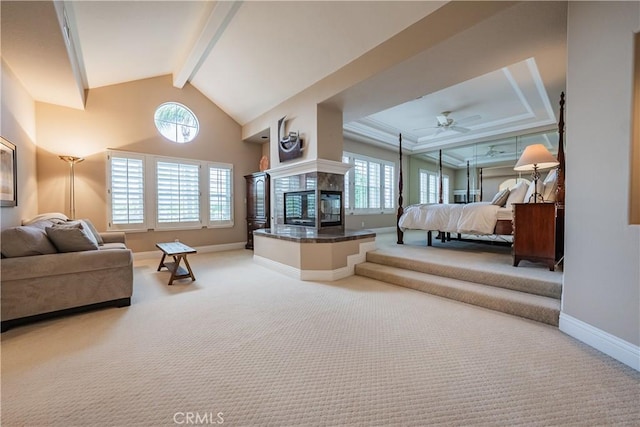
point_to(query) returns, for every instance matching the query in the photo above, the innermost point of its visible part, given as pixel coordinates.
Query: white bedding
(471, 218)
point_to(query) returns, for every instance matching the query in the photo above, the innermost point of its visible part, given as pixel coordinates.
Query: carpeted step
(542, 287)
(534, 307)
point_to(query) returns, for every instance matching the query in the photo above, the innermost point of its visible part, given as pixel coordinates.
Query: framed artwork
(8, 174)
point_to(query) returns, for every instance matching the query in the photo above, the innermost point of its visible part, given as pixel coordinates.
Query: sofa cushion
(71, 237)
(25, 241)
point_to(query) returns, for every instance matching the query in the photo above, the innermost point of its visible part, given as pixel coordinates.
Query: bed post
(440, 177)
(468, 189)
(480, 185)
(400, 208)
(561, 166)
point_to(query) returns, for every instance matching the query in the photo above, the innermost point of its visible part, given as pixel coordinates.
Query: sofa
(46, 273)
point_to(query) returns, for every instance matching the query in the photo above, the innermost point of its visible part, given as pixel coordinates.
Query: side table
(179, 252)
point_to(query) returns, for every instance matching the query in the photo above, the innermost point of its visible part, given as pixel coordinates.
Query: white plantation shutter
(369, 185)
(445, 189)
(388, 187)
(429, 187)
(153, 192)
(424, 186)
(127, 207)
(360, 183)
(220, 194)
(178, 193)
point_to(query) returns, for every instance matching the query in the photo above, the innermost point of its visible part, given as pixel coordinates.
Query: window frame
(150, 189)
(384, 192)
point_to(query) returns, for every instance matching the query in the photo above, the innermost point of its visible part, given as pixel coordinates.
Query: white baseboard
(320, 275)
(201, 249)
(610, 345)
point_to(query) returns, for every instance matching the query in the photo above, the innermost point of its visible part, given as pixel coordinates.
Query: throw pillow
(501, 197)
(89, 225)
(71, 237)
(550, 186)
(517, 194)
(25, 241)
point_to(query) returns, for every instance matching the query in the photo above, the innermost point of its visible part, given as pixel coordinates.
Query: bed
(493, 219)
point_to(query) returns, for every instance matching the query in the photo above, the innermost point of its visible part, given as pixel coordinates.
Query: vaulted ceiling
(248, 57)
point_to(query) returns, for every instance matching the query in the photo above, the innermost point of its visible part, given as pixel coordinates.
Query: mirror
(476, 172)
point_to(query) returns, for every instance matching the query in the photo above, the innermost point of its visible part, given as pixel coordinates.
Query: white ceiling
(248, 57)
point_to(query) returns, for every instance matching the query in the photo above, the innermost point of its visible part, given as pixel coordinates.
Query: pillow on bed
(550, 186)
(501, 197)
(528, 197)
(517, 194)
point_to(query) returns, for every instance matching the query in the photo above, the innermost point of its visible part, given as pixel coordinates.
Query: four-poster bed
(478, 218)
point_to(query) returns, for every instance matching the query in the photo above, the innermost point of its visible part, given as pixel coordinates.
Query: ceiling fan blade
(443, 120)
(459, 129)
(469, 119)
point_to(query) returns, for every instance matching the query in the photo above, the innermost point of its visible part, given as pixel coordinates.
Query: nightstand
(534, 233)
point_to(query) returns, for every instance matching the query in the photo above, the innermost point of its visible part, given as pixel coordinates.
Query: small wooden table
(179, 252)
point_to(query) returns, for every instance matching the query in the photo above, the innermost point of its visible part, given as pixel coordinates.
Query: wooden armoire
(258, 193)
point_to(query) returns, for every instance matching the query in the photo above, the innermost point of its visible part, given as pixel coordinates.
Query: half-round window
(176, 122)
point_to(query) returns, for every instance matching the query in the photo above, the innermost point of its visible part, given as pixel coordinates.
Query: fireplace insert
(300, 208)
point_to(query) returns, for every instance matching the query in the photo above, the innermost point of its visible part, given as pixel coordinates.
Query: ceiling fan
(492, 152)
(444, 123)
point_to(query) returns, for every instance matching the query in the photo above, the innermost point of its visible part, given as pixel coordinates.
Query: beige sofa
(43, 284)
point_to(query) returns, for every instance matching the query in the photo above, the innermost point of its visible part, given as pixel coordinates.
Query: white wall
(602, 273)
(19, 127)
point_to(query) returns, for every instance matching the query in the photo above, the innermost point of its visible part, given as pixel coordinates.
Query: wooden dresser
(258, 209)
(537, 233)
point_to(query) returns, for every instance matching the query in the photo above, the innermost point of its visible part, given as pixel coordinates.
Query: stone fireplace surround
(310, 253)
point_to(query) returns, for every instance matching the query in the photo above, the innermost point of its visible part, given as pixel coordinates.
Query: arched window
(176, 122)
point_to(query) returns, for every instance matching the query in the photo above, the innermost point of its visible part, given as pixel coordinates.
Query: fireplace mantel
(317, 165)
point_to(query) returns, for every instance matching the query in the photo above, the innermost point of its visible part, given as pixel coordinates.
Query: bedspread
(471, 218)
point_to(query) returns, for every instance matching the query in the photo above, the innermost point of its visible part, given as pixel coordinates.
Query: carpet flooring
(244, 345)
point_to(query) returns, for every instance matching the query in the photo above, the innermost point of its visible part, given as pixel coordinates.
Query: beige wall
(121, 117)
(634, 209)
(602, 268)
(19, 127)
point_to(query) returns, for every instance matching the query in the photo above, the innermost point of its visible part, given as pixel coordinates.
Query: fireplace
(301, 208)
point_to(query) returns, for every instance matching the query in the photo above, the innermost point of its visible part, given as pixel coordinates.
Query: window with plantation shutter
(429, 187)
(220, 195)
(155, 192)
(369, 185)
(126, 198)
(178, 193)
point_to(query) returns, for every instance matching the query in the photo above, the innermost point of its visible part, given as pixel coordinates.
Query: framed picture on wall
(8, 174)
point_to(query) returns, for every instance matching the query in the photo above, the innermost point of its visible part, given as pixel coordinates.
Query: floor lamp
(534, 158)
(72, 160)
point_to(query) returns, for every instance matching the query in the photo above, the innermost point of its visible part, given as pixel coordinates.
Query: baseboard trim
(610, 345)
(201, 249)
(320, 275)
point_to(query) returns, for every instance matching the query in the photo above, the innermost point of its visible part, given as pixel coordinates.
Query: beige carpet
(264, 349)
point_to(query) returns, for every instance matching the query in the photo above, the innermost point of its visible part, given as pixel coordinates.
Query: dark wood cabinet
(258, 209)
(537, 233)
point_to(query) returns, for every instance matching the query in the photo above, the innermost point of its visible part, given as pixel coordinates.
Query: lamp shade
(535, 156)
